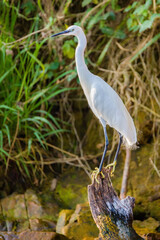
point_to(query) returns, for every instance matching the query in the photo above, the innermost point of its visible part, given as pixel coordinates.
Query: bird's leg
(115, 158)
(98, 171)
(105, 148)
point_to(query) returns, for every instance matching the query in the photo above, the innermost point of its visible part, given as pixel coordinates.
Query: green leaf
(140, 10)
(2, 151)
(120, 34)
(49, 116)
(68, 50)
(55, 132)
(7, 131)
(7, 107)
(6, 73)
(28, 7)
(148, 3)
(154, 16)
(153, 40)
(94, 19)
(39, 94)
(25, 168)
(148, 23)
(129, 23)
(127, 9)
(103, 53)
(86, 2)
(72, 76)
(1, 139)
(54, 66)
(39, 139)
(108, 31)
(114, 4)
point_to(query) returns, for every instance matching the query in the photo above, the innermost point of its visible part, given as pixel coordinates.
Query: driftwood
(112, 216)
(125, 174)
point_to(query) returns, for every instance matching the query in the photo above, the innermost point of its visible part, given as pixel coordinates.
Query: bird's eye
(72, 29)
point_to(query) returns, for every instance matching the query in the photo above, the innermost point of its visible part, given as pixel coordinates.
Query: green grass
(27, 84)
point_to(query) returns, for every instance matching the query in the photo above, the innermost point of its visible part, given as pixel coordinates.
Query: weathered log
(112, 216)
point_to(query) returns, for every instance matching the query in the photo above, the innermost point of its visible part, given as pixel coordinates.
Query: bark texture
(112, 216)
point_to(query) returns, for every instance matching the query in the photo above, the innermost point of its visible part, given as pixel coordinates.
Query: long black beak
(66, 31)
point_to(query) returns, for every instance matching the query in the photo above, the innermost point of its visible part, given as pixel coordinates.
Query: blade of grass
(6, 73)
(153, 40)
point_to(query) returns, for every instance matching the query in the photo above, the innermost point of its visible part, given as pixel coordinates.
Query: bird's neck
(79, 56)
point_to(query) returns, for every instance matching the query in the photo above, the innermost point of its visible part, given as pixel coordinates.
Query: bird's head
(72, 30)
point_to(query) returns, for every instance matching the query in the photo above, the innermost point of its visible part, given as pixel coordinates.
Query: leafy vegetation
(35, 79)
(28, 82)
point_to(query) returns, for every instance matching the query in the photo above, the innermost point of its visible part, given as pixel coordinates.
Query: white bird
(102, 99)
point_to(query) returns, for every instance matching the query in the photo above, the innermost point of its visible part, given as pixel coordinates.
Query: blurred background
(50, 140)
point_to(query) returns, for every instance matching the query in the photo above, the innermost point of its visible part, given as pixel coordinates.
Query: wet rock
(49, 200)
(80, 223)
(32, 235)
(147, 226)
(90, 238)
(41, 236)
(63, 219)
(34, 207)
(72, 188)
(24, 211)
(154, 209)
(152, 236)
(20, 225)
(41, 225)
(8, 236)
(14, 207)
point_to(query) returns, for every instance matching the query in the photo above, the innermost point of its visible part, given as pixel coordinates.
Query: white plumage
(102, 99)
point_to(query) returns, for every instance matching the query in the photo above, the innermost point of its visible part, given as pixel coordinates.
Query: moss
(72, 188)
(154, 209)
(146, 226)
(81, 224)
(71, 194)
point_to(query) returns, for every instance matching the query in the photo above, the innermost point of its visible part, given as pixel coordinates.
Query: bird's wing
(106, 104)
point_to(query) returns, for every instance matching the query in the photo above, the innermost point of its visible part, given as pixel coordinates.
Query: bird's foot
(113, 165)
(96, 173)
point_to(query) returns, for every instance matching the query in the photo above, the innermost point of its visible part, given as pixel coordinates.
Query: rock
(24, 211)
(80, 223)
(41, 225)
(154, 209)
(41, 236)
(72, 188)
(152, 236)
(147, 226)
(49, 200)
(90, 238)
(14, 206)
(64, 217)
(53, 184)
(32, 235)
(8, 236)
(34, 207)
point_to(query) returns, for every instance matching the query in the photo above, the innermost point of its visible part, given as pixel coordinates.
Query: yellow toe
(113, 165)
(96, 173)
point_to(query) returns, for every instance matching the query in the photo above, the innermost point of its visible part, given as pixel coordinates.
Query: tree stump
(112, 216)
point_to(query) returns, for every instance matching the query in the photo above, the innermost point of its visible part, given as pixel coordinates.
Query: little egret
(102, 99)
